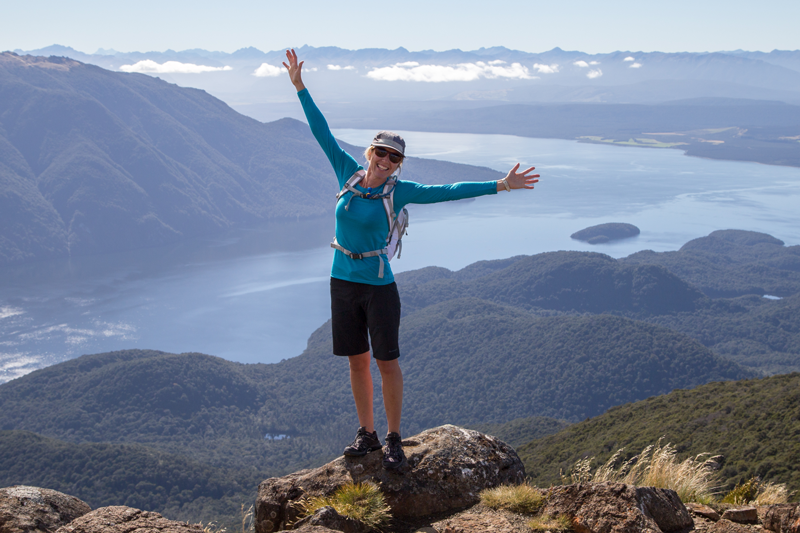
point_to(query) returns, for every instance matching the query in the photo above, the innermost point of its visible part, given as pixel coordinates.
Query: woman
(365, 304)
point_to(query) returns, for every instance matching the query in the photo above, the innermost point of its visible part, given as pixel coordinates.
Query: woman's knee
(389, 367)
(360, 362)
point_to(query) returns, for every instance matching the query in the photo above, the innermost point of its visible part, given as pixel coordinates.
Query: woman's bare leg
(361, 383)
(392, 385)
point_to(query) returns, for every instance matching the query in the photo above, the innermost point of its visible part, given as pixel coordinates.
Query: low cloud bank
(339, 67)
(413, 71)
(545, 69)
(148, 66)
(267, 71)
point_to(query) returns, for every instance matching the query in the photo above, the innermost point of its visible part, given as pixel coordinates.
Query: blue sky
(532, 26)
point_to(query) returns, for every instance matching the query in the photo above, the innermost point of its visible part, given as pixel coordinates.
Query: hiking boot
(393, 456)
(364, 443)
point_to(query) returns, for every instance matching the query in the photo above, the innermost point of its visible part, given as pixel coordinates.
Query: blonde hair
(368, 155)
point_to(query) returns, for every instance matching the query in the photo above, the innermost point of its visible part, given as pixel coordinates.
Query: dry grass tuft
(754, 491)
(656, 466)
(554, 524)
(523, 499)
(360, 501)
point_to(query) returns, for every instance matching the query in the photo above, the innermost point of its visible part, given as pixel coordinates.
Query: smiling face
(380, 168)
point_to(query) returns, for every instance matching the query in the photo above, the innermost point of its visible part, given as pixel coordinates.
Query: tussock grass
(694, 480)
(523, 499)
(361, 501)
(554, 524)
(754, 491)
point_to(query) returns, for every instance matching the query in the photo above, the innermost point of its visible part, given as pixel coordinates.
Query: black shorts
(358, 309)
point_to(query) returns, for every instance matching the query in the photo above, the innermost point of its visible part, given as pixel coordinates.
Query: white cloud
(6, 312)
(592, 74)
(339, 67)
(148, 66)
(267, 71)
(497, 62)
(412, 71)
(582, 64)
(594, 62)
(636, 65)
(629, 58)
(546, 69)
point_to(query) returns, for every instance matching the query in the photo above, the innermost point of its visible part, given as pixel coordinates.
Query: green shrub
(757, 492)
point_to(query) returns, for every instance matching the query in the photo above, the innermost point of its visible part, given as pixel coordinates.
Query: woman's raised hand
(519, 180)
(295, 70)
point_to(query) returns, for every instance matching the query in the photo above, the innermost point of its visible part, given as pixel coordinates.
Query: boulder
(618, 508)
(328, 518)
(742, 515)
(726, 526)
(24, 509)
(783, 518)
(447, 467)
(703, 510)
(121, 519)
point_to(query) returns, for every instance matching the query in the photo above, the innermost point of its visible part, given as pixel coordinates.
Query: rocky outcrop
(618, 508)
(447, 468)
(741, 515)
(31, 509)
(328, 518)
(783, 518)
(727, 526)
(703, 510)
(121, 519)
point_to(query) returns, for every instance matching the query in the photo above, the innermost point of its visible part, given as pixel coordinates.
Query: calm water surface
(256, 295)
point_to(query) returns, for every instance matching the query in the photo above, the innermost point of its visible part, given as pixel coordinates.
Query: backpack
(398, 223)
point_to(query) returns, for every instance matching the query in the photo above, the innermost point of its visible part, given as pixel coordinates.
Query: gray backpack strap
(350, 186)
(388, 205)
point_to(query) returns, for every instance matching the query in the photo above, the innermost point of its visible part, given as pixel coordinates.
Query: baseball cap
(389, 139)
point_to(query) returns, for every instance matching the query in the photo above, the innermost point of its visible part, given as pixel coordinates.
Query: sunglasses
(383, 152)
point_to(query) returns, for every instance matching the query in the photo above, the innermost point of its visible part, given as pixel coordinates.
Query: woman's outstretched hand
(518, 180)
(295, 70)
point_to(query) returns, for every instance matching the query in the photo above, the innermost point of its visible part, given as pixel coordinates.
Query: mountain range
(94, 161)
(486, 74)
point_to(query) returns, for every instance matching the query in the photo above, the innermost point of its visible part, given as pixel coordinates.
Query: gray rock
(447, 468)
(783, 518)
(618, 508)
(742, 515)
(703, 510)
(726, 526)
(24, 509)
(121, 519)
(327, 517)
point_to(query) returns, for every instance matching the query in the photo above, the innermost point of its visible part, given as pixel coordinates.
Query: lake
(256, 295)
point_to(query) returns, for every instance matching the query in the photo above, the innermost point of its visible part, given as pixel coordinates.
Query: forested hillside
(497, 345)
(734, 268)
(125, 474)
(752, 424)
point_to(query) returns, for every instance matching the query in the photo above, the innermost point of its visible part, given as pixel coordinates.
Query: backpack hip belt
(397, 223)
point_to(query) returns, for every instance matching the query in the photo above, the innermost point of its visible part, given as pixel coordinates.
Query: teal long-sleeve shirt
(364, 227)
